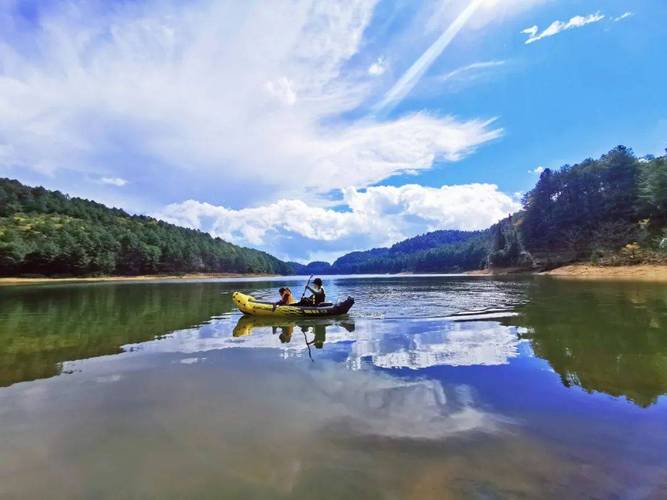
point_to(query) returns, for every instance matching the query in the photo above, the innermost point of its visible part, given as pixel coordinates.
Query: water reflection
(415, 403)
(289, 337)
(285, 326)
(42, 327)
(605, 337)
(422, 344)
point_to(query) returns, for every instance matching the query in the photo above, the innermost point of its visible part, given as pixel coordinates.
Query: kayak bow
(247, 304)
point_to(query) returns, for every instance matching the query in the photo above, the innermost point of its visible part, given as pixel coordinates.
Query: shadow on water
(603, 337)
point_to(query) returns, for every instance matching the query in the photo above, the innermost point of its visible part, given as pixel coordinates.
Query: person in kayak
(318, 295)
(286, 297)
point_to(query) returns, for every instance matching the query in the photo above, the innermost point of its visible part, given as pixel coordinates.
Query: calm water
(433, 387)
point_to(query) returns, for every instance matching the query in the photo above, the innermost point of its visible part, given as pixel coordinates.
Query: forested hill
(438, 251)
(48, 233)
(611, 210)
(431, 252)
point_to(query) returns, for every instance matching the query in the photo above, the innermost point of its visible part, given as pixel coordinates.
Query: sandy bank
(30, 281)
(640, 272)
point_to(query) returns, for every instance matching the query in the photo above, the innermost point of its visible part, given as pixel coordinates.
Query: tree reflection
(606, 337)
(42, 327)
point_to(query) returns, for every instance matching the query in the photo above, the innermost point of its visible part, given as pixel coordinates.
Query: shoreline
(638, 272)
(581, 271)
(157, 277)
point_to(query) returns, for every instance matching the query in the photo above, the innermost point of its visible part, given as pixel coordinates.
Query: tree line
(48, 233)
(612, 210)
(608, 210)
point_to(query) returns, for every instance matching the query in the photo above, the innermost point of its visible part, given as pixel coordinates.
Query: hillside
(438, 251)
(612, 210)
(48, 233)
(608, 211)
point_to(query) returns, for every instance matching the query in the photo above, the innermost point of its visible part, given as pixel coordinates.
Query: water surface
(434, 386)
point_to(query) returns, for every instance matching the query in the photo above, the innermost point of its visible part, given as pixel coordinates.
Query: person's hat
(317, 281)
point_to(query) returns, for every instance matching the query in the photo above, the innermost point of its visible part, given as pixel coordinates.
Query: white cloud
(226, 100)
(536, 170)
(412, 76)
(379, 67)
(282, 90)
(475, 13)
(559, 26)
(113, 181)
(532, 31)
(625, 15)
(377, 216)
(470, 69)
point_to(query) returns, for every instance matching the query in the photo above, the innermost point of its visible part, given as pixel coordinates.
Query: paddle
(306, 287)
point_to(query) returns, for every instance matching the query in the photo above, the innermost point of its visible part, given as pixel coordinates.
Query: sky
(311, 129)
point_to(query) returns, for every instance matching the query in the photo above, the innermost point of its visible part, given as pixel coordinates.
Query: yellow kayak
(247, 304)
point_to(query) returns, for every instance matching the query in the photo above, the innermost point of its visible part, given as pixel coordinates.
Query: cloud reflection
(388, 344)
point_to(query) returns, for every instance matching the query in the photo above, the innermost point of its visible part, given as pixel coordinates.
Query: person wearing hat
(318, 295)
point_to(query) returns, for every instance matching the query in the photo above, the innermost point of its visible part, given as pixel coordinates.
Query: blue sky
(310, 129)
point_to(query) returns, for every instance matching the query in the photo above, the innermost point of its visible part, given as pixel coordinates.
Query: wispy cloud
(113, 181)
(412, 76)
(470, 69)
(536, 170)
(216, 100)
(559, 26)
(625, 15)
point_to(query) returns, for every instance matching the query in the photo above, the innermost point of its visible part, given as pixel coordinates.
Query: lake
(432, 387)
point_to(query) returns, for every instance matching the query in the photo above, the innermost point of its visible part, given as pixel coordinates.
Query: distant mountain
(49, 233)
(438, 251)
(315, 267)
(432, 240)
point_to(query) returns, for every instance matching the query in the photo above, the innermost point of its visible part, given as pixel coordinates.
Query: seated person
(286, 297)
(318, 295)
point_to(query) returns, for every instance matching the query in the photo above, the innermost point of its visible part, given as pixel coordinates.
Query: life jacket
(319, 296)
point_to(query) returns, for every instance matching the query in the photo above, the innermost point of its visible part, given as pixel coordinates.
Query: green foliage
(653, 187)
(506, 249)
(596, 207)
(47, 233)
(591, 210)
(586, 211)
(439, 251)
